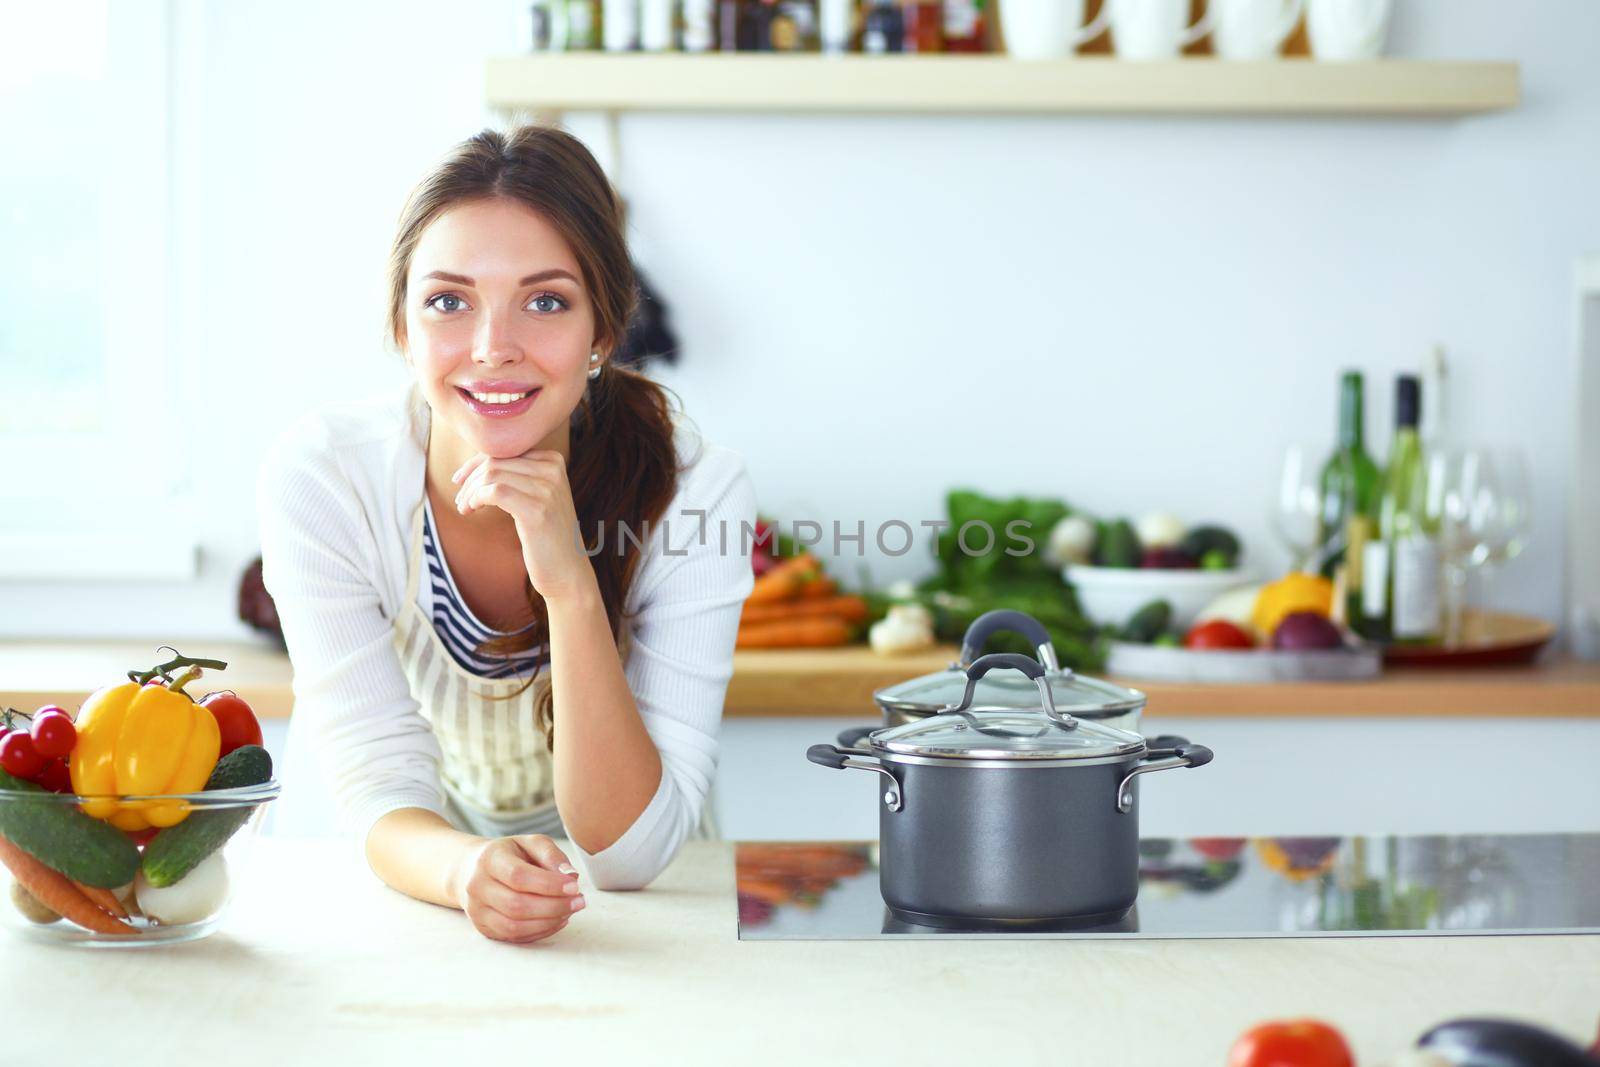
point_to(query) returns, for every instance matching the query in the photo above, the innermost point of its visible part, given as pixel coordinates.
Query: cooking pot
(1009, 818)
(1079, 695)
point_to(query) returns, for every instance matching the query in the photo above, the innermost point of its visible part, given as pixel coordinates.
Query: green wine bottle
(1350, 495)
(1400, 589)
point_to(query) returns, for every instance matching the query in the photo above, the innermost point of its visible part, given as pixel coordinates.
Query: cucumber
(1118, 545)
(64, 839)
(1148, 622)
(177, 850)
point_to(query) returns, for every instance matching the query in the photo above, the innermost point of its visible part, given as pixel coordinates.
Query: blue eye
(547, 303)
(446, 302)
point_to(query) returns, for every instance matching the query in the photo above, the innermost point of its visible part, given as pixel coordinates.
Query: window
(91, 482)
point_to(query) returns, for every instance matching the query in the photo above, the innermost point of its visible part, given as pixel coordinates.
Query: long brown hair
(623, 466)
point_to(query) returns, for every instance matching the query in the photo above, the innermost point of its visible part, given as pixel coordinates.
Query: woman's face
(498, 328)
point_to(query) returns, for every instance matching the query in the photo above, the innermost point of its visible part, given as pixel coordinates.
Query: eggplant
(1502, 1043)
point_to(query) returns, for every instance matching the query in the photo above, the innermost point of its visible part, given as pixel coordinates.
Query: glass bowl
(39, 831)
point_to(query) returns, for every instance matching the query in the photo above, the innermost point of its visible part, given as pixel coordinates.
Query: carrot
(57, 892)
(783, 581)
(104, 899)
(823, 631)
(848, 608)
(819, 587)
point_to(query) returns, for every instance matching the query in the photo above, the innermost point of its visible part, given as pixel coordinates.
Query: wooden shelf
(840, 682)
(949, 84)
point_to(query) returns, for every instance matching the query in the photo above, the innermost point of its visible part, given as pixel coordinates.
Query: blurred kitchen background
(1132, 313)
(1132, 309)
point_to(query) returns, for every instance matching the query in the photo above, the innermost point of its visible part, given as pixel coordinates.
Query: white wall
(1131, 313)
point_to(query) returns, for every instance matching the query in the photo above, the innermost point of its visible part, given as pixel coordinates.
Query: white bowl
(1110, 595)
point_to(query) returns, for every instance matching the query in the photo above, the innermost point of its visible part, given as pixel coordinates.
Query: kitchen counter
(840, 681)
(319, 959)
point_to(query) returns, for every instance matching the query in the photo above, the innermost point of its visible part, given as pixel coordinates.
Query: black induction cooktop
(1368, 886)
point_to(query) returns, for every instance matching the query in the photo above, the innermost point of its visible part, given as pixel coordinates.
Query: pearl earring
(594, 364)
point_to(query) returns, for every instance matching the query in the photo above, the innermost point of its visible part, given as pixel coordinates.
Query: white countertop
(320, 959)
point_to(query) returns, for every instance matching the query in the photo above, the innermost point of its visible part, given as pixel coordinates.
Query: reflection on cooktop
(1226, 887)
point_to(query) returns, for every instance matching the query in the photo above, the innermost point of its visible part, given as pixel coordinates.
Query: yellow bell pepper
(1289, 594)
(142, 740)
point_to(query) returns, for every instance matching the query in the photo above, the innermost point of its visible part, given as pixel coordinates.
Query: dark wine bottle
(1350, 498)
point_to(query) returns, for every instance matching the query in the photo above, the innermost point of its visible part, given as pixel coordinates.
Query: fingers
(498, 926)
(528, 906)
(542, 849)
(527, 866)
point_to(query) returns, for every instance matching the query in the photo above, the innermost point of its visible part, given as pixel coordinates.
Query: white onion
(196, 896)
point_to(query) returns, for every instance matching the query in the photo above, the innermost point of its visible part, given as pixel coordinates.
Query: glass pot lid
(1042, 732)
(1005, 690)
(1004, 735)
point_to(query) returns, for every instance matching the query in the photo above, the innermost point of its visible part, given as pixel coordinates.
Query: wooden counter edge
(839, 683)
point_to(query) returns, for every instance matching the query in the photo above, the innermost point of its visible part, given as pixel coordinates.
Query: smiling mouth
(499, 405)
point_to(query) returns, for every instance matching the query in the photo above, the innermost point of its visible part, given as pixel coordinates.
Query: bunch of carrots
(89, 906)
(795, 605)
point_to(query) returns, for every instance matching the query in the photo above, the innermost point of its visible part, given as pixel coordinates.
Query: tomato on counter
(234, 718)
(1217, 633)
(1291, 1043)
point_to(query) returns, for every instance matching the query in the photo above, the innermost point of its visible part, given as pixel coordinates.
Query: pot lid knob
(1002, 620)
(1015, 661)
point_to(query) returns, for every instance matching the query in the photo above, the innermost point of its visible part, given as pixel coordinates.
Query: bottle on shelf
(619, 25)
(755, 26)
(730, 23)
(793, 26)
(581, 24)
(698, 32)
(837, 25)
(536, 25)
(924, 25)
(884, 28)
(963, 26)
(657, 25)
(1400, 580)
(1350, 495)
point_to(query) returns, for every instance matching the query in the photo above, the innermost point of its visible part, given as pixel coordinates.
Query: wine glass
(1495, 484)
(1297, 505)
(1450, 482)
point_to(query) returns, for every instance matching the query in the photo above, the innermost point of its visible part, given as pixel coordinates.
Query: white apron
(497, 771)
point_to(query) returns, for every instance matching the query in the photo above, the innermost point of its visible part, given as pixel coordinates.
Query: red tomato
(142, 837)
(19, 756)
(234, 718)
(1217, 633)
(1218, 848)
(53, 732)
(1295, 1043)
(56, 777)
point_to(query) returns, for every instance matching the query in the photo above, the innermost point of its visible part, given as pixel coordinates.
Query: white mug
(1153, 29)
(1048, 29)
(1251, 29)
(1347, 29)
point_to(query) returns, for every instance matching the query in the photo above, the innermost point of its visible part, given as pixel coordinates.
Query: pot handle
(990, 623)
(1016, 661)
(853, 737)
(829, 756)
(1187, 756)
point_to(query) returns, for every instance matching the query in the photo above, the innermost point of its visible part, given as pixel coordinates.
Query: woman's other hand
(520, 889)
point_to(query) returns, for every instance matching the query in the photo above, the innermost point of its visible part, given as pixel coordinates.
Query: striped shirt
(459, 630)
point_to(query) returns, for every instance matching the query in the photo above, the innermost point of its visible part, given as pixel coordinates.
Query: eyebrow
(532, 279)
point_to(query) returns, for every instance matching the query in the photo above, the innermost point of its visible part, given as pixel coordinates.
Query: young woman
(470, 676)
